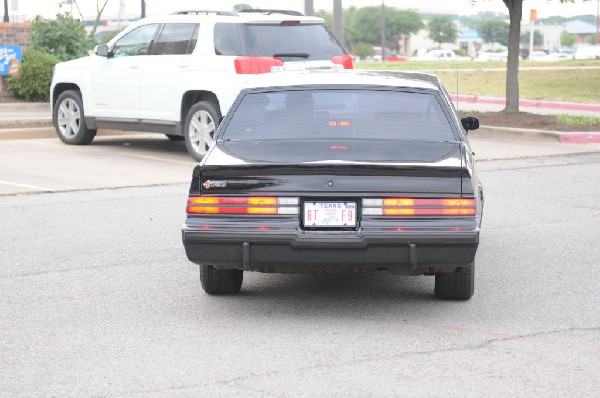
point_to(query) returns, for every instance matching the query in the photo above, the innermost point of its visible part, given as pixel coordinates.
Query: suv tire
(200, 127)
(68, 117)
(458, 285)
(217, 281)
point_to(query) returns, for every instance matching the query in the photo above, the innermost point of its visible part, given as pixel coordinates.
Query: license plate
(329, 214)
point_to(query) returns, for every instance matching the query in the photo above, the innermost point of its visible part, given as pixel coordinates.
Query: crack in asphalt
(502, 337)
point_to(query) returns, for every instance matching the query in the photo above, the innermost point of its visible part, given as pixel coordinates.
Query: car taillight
(345, 60)
(256, 205)
(255, 65)
(418, 207)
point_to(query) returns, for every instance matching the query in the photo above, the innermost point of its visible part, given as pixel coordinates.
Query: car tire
(200, 127)
(173, 137)
(458, 285)
(217, 281)
(68, 117)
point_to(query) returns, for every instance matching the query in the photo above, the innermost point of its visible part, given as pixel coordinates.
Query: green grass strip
(577, 119)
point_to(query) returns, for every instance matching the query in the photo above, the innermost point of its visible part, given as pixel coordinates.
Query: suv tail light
(255, 205)
(419, 207)
(345, 60)
(255, 65)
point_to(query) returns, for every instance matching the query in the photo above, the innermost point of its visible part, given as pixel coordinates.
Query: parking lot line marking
(26, 186)
(160, 159)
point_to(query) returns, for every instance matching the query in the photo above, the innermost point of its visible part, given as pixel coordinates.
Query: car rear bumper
(416, 250)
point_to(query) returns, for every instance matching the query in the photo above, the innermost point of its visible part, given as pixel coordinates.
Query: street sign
(10, 60)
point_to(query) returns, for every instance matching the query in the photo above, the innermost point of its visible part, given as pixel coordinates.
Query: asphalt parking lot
(98, 299)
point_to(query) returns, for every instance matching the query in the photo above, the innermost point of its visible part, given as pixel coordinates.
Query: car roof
(231, 16)
(346, 77)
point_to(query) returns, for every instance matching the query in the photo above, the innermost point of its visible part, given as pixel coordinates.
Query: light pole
(143, 9)
(5, 10)
(597, 21)
(382, 32)
(338, 20)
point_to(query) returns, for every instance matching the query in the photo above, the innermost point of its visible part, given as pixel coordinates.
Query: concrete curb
(25, 107)
(49, 132)
(535, 134)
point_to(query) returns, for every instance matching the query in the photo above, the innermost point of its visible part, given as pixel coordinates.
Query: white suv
(177, 74)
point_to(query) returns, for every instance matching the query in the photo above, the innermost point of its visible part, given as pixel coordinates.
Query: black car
(321, 171)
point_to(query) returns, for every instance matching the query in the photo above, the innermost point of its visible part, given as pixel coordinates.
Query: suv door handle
(183, 64)
(134, 65)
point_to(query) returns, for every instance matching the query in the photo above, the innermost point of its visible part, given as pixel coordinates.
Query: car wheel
(216, 281)
(200, 127)
(458, 285)
(69, 119)
(173, 137)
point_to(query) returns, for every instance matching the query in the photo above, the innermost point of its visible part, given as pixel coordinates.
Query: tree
(538, 38)
(591, 39)
(242, 6)
(442, 29)
(327, 17)
(515, 12)
(99, 11)
(362, 25)
(64, 37)
(493, 31)
(363, 50)
(567, 39)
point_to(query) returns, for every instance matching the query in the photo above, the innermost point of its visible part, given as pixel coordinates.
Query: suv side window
(227, 39)
(176, 38)
(135, 42)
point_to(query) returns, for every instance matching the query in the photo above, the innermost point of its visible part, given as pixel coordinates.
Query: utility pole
(597, 21)
(309, 7)
(382, 31)
(143, 9)
(5, 10)
(338, 20)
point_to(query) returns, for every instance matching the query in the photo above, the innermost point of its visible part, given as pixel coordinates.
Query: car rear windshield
(326, 114)
(290, 42)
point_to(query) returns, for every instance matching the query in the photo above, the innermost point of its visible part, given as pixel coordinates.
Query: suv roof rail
(271, 11)
(207, 12)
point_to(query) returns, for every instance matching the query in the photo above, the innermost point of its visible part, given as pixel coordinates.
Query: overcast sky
(546, 8)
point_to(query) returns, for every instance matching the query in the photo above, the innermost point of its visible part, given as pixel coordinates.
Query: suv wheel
(221, 281)
(458, 285)
(69, 119)
(200, 127)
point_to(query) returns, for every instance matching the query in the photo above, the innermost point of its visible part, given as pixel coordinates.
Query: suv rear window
(360, 114)
(290, 42)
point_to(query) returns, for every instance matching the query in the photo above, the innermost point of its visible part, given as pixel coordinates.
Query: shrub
(34, 78)
(63, 37)
(363, 50)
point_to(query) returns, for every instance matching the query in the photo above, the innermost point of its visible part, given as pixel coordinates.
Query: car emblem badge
(214, 184)
(329, 184)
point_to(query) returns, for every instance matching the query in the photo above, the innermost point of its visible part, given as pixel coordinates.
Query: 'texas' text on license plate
(329, 214)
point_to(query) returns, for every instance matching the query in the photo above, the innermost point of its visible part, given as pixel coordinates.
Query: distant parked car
(440, 55)
(587, 52)
(390, 55)
(538, 55)
(489, 56)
